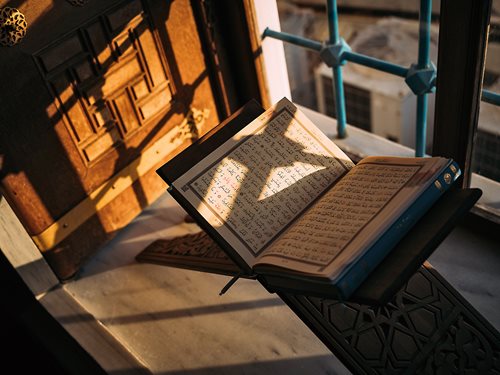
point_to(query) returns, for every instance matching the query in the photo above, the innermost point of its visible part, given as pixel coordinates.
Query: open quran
(290, 208)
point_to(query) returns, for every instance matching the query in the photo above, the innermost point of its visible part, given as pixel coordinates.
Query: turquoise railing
(491, 97)
(420, 77)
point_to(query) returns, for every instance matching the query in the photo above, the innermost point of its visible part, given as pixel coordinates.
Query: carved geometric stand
(415, 322)
(427, 328)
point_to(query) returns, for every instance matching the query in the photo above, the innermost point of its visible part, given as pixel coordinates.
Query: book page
(254, 185)
(352, 215)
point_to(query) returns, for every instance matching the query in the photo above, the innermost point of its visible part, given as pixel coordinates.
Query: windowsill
(360, 144)
(173, 320)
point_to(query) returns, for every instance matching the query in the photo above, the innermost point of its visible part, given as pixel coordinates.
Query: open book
(287, 205)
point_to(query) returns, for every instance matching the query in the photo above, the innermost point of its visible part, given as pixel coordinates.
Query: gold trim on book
(108, 191)
(438, 185)
(447, 178)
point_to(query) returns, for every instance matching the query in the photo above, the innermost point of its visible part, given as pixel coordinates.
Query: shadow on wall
(86, 106)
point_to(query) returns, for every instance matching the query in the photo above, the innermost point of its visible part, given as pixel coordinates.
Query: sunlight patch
(283, 177)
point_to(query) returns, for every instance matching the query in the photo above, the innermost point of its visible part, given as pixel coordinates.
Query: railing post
(337, 70)
(420, 77)
(424, 62)
(463, 32)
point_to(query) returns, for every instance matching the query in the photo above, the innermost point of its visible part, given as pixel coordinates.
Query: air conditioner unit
(486, 160)
(486, 157)
(375, 101)
(386, 106)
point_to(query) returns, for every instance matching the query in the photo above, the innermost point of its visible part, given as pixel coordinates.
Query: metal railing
(420, 77)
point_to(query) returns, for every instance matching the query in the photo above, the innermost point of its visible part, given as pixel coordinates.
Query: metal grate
(357, 102)
(486, 159)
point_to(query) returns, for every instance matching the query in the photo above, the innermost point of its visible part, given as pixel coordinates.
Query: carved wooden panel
(427, 328)
(90, 92)
(192, 251)
(108, 77)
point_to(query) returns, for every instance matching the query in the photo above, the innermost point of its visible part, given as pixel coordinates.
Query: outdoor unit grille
(382, 106)
(357, 102)
(486, 159)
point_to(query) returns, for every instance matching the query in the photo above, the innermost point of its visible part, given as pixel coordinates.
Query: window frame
(463, 37)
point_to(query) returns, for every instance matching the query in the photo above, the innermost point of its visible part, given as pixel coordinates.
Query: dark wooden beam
(463, 35)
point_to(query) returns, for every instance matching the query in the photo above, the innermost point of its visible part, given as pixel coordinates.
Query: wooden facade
(96, 97)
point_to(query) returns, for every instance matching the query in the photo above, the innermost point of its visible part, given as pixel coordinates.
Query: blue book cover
(356, 274)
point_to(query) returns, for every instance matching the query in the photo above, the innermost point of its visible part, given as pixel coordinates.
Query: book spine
(355, 275)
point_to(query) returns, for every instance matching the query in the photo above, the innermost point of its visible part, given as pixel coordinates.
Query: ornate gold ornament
(13, 26)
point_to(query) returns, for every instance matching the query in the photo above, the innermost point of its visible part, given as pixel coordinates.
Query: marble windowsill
(173, 320)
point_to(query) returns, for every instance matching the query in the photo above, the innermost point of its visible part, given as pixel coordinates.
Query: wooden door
(94, 99)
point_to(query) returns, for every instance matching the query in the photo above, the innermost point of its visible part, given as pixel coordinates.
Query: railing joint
(333, 54)
(421, 80)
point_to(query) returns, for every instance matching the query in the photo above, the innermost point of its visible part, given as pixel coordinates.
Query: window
(377, 100)
(486, 154)
(383, 104)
